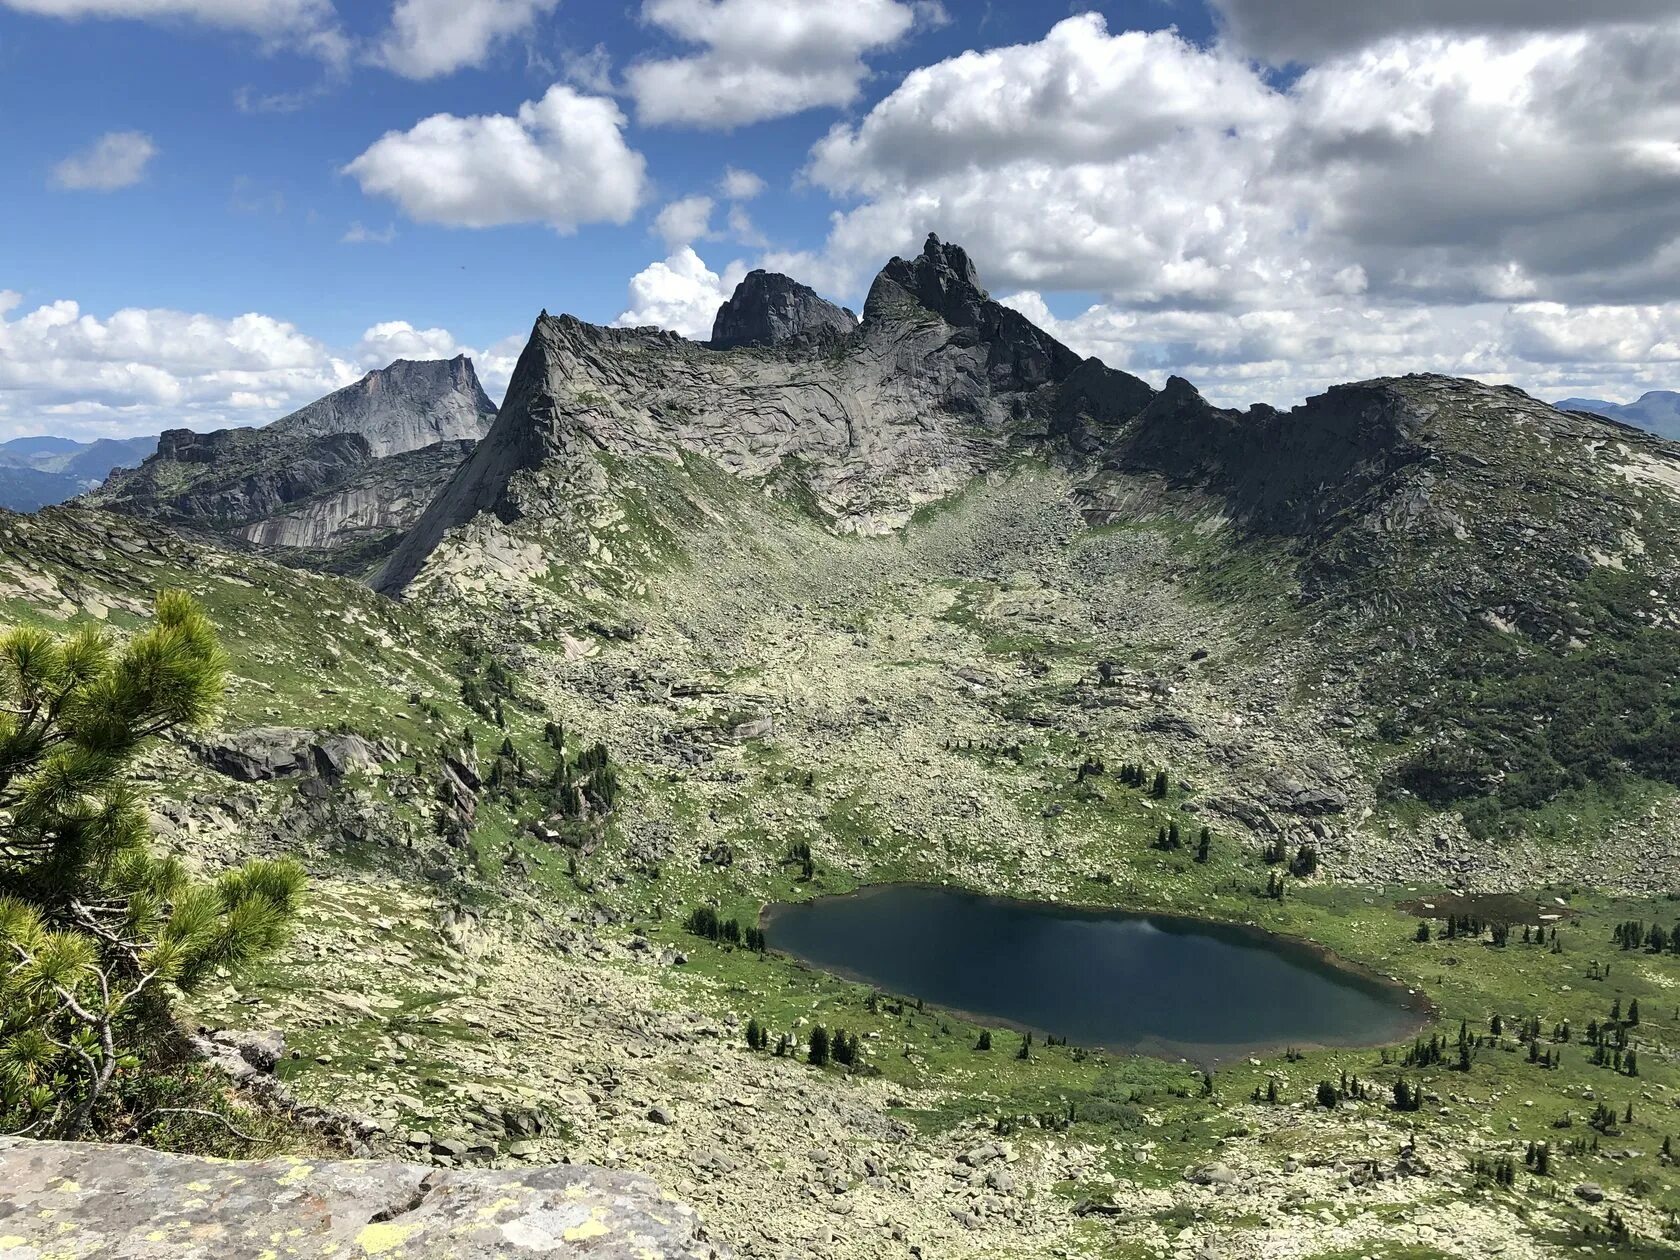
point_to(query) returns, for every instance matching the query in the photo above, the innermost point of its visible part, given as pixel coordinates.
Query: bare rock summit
(769, 309)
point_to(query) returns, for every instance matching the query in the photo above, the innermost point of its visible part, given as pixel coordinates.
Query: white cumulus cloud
(398, 339)
(1297, 30)
(141, 370)
(561, 160)
(310, 26)
(740, 185)
(429, 38)
(684, 221)
(118, 159)
(680, 293)
(1410, 204)
(761, 59)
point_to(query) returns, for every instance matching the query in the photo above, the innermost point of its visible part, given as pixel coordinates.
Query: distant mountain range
(1658, 411)
(42, 470)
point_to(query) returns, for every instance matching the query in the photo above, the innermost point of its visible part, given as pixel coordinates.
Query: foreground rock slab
(67, 1200)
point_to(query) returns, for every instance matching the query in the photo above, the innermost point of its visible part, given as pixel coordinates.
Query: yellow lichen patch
(490, 1209)
(594, 1227)
(295, 1174)
(68, 1187)
(203, 1187)
(8, 1241)
(379, 1238)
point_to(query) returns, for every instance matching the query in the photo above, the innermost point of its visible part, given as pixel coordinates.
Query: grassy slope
(892, 620)
(780, 618)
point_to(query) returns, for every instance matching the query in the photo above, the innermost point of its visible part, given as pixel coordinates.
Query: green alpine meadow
(476, 842)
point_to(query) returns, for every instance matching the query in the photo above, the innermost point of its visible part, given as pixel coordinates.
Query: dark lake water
(1149, 983)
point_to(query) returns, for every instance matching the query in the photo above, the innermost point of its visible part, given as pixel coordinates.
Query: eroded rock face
(939, 384)
(404, 407)
(348, 471)
(263, 753)
(770, 309)
(67, 1200)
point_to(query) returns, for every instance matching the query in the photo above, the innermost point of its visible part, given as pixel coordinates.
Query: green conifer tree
(97, 935)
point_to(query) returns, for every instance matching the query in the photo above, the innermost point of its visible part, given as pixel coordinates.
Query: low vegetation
(98, 935)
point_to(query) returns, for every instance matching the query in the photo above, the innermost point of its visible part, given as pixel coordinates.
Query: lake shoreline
(1418, 1010)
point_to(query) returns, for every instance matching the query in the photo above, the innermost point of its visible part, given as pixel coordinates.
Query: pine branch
(199, 1111)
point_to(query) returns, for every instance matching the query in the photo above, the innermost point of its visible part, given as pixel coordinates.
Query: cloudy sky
(213, 211)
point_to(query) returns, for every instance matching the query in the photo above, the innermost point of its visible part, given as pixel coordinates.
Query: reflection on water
(1155, 983)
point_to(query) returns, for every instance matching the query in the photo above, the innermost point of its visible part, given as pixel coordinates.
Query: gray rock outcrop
(73, 1200)
(769, 309)
(343, 474)
(938, 384)
(265, 753)
(404, 407)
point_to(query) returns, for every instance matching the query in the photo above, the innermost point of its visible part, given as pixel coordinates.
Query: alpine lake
(1152, 984)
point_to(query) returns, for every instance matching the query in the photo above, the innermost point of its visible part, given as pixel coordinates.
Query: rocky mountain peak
(770, 309)
(345, 473)
(941, 279)
(871, 421)
(404, 407)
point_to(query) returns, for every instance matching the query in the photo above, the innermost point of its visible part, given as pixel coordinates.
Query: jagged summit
(942, 278)
(769, 309)
(403, 407)
(902, 411)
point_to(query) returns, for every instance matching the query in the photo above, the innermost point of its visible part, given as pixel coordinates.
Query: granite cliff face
(342, 475)
(768, 309)
(938, 384)
(400, 408)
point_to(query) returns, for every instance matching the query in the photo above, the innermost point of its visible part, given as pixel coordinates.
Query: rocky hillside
(907, 604)
(1420, 542)
(329, 484)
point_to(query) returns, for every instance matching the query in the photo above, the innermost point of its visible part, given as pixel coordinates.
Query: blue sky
(1281, 194)
(247, 210)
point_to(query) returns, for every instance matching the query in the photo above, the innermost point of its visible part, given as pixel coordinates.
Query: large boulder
(73, 1200)
(263, 753)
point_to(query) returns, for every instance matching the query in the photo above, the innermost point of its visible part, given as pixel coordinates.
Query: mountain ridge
(899, 413)
(343, 474)
(1656, 411)
(41, 470)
